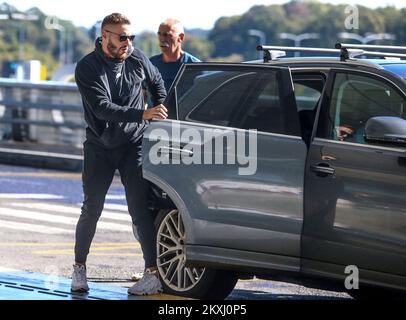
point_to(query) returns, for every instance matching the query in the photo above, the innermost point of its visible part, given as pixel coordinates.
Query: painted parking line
(97, 249)
(67, 252)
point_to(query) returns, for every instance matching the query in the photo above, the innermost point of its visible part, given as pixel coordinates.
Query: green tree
(29, 40)
(199, 47)
(148, 43)
(230, 34)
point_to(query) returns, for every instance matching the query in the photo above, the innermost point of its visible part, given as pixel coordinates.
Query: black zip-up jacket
(112, 97)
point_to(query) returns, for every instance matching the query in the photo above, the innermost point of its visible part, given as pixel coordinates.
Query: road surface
(38, 213)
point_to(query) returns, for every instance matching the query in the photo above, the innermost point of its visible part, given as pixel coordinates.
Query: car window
(227, 92)
(196, 85)
(247, 98)
(306, 95)
(357, 98)
(308, 91)
(264, 111)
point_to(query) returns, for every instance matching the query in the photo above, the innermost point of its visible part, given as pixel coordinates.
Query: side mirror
(386, 130)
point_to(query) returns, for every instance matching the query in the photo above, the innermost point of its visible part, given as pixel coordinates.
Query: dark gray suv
(291, 168)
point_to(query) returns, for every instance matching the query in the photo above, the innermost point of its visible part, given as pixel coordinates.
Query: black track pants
(98, 172)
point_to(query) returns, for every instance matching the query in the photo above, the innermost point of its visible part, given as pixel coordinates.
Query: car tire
(176, 279)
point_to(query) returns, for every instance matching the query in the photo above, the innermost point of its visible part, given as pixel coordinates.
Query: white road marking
(32, 227)
(3, 269)
(38, 216)
(39, 196)
(69, 210)
(115, 197)
(15, 181)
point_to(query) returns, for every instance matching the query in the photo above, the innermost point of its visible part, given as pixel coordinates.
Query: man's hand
(157, 112)
(344, 132)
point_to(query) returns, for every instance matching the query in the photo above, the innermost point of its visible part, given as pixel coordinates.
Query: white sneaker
(79, 280)
(149, 284)
(137, 276)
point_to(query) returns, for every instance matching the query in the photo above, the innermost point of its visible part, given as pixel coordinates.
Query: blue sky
(147, 15)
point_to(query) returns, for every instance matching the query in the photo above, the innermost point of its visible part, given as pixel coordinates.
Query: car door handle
(175, 151)
(322, 169)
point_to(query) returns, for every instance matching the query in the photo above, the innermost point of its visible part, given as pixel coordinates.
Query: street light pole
(298, 38)
(261, 35)
(369, 37)
(53, 24)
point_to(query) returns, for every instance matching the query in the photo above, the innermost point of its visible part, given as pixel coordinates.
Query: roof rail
(340, 45)
(273, 52)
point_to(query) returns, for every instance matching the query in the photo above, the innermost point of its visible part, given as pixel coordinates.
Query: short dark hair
(115, 18)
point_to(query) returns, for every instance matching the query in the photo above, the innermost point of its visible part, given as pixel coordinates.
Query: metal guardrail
(45, 112)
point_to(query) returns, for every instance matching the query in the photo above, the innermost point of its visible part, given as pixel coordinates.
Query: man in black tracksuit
(109, 80)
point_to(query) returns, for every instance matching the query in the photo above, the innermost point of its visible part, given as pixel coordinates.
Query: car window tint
(264, 111)
(247, 98)
(227, 92)
(306, 96)
(357, 98)
(194, 87)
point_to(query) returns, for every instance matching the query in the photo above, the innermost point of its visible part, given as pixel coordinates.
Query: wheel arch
(177, 201)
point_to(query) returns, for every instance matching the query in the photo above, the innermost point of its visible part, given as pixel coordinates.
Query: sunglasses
(122, 37)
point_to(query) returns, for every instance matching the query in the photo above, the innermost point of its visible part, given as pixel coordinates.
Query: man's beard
(114, 50)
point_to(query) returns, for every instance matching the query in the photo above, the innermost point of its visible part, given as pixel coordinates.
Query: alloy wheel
(171, 254)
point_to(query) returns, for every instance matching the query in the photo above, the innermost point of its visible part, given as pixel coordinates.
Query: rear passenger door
(244, 188)
(355, 205)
